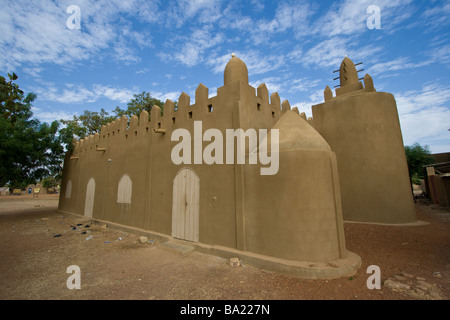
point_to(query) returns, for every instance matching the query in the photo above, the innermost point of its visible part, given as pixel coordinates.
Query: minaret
(347, 72)
(362, 127)
(235, 70)
(348, 78)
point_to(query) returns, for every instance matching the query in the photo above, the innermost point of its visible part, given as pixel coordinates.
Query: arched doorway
(185, 205)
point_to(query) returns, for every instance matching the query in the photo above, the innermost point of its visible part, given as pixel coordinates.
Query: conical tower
(362, 127)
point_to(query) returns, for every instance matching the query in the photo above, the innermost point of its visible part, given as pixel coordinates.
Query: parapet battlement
(210, 110)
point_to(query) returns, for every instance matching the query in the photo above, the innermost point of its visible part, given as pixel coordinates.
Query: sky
(109, 50)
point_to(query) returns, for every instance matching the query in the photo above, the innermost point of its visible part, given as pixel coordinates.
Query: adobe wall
(296, 214)
(289, 218)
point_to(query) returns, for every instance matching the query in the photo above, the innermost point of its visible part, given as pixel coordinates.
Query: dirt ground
(38, 243)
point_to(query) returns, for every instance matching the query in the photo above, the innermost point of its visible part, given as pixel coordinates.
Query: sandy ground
(414, 262)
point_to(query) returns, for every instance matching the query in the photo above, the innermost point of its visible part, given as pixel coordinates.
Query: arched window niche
(124, 190)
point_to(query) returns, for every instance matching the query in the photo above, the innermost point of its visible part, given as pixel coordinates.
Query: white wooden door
(89, 202)
(185, 205)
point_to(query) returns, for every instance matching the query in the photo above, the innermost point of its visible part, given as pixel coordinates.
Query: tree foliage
(417, 157)
(91, 122)
(81, 126)
(140, 102)
(29, 150)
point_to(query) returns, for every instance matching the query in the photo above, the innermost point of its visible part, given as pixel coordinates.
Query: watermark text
(213, 152)
(74, 21)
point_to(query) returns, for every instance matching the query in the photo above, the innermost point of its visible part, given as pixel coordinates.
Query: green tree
(417, 157)
(13, 104)
(79, 127)
(29, 150)
(91, 122)
(140, 102)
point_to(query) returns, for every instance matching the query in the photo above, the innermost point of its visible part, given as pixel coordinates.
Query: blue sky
(125, 47)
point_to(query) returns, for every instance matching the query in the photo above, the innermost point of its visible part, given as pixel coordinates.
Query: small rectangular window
(273, 114)
(210, 108)
(173, 120)
(159, 125)
(258, 106)
(190, 115)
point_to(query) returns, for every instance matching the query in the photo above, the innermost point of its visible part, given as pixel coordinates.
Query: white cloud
(303, 84)
(305, 106)
(36, 32)
(202, 11)
(115, 94)
(425, 114)
(289, 16)
(191, 50)
(77, 93)
(255, 62)
(257, 5)
(50, 116)
(143, 71)
(273, 84)
(436, 17)
(428, 127)
(431, 95)
(401, 63)
(441, 54)
(349, 17)
(174, 95)
(330, 53)
(71, 94)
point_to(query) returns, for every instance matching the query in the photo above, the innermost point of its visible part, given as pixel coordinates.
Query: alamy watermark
(374, 281)
(74, 281)
(213, 152)
(374, 21)
(74, 21)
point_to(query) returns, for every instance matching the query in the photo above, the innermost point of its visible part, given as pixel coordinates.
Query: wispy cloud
(190, 50)
(50, 116)
(316, 97)
(174, 95)
(425, 114)
(36, 32)
(330, 53)
(349, 17)
(203, 11)
(402, 63)
(114, 94)
(78, 93)
(436, 17)
(143, 71)
(256, 63)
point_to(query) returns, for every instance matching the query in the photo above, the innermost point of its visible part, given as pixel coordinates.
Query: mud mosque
(345, 163)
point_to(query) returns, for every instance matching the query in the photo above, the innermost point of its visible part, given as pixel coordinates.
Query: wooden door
(185, 205)
(89, 202)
